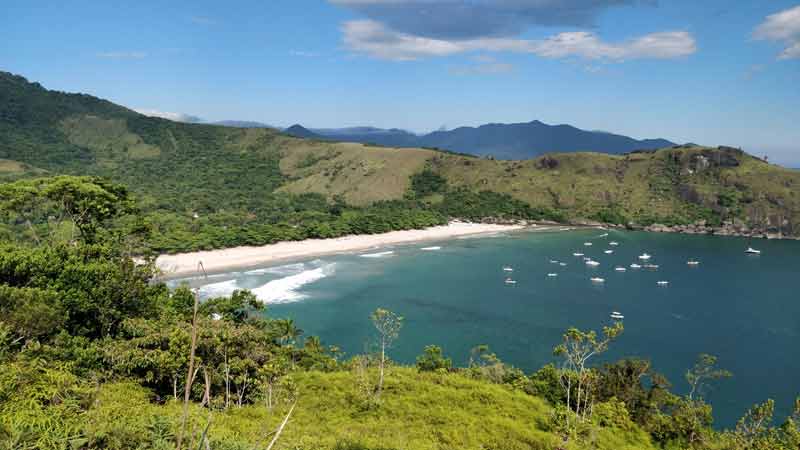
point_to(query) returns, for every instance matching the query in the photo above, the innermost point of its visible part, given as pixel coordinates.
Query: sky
(712, 72)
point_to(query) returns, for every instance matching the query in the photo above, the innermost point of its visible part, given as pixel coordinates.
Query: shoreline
(185, 264)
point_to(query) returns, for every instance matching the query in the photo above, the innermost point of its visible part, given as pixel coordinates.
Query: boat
(616, 315)
(597, 280)
(645, 256)
(562, 264)
(608, 252)
(651, 266)
(662, 283)
(553, 261)
(577, 254)
(552, 275)
(586, 258)
(508, 269)
(692, 262)
(510, 281)
(588, 244)
(592, 263)
(635, 266)
(620, 269)
(613, 243)
(752, 251)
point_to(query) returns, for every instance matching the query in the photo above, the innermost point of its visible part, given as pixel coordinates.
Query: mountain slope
(501, 141)
(527, 140)
(204, 186)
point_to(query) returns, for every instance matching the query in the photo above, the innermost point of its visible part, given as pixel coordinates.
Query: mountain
(393, 137)
(299, 131)
(501, 141)
(527, 140)
(242, 124)
(201, 186)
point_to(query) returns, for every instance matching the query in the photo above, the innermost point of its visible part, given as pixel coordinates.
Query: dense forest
(204, 186)
(95, 353)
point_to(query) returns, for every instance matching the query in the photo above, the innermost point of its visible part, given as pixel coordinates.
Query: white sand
(241, 257)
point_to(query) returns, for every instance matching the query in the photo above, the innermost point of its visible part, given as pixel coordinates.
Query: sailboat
(616, 315)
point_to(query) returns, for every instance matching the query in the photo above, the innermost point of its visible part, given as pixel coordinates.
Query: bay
(742, 308)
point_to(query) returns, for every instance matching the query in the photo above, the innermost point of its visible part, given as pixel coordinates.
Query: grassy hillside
(419, 411)
(205, 186)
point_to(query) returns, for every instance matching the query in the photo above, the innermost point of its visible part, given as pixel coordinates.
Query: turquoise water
(744, 309)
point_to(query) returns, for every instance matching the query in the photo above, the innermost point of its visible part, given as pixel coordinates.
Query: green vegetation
(97, 354)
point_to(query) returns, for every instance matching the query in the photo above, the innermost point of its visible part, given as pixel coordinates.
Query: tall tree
(388, 325)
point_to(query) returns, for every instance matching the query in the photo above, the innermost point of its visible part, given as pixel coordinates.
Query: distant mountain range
(502, 141)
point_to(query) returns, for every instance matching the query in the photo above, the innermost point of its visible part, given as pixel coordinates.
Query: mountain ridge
(522, 140)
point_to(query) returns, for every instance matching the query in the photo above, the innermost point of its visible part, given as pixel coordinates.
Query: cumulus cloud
(377, 40)
(459, 19)
(175, 117)
(122, 55)
(783, 27)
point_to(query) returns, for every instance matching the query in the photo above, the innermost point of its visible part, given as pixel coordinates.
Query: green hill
(205, 186)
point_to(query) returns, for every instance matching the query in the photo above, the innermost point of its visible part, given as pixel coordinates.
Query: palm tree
(287, 332)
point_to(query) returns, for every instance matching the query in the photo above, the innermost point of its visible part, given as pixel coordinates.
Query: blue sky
(711, 72)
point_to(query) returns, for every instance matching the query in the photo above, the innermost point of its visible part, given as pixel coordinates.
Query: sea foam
(284, 290)
(221, 289)
(377, 255)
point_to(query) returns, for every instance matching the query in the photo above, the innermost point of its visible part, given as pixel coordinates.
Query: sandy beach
(241, 257)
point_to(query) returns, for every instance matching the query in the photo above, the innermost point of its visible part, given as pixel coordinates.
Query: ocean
(745, 309)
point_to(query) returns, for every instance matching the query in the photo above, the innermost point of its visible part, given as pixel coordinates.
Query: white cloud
(784, 27)
(304, 54)
(122, 55)
(175, 117)
(376, 40)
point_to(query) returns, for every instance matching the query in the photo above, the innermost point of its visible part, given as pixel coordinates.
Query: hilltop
(203, 186)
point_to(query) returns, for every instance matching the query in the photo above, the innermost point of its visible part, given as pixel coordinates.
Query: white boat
(586, 258)
(692, 262)
(613, 243)
(644, 256)
(620, 269)
(588, 244)
(608, 252)
(662, 283)
(510, 281)
(651, 266)
(552, 275)
(577, 254)
(508, 269)
(616, 315)
(553, 261)
(597, 280)
(592, 263)
(752, 251)
(635, 266)
(562, 264)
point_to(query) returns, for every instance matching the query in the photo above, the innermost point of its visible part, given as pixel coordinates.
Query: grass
(419, 411)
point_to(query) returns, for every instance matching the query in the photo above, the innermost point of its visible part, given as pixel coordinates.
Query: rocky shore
(729, 228)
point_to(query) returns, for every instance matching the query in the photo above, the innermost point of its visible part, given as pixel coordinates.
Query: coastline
(182, 264)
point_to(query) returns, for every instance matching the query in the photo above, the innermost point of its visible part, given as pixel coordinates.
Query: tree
(577, 348)
(388, 325)
(286, 331)
(433, 360)
(86, 202)
(704, 372)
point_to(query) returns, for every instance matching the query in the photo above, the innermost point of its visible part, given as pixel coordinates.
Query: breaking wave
(284, 290)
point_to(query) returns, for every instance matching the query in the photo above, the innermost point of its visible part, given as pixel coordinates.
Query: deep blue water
(743, 309)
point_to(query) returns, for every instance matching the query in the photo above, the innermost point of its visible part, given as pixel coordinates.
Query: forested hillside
(204, 186)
